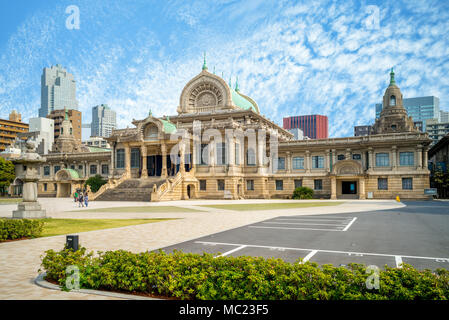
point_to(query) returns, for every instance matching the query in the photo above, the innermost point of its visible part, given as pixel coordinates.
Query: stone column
(182, 167)
(143, 153)
(128, 160)
(370, 158)
(288, 161)
(394, 161)
(362, 189)
(231, 154)
(348, 154)
(307, 164)
(334, 157)
(425, 159)
(328, 160)
(164, 161)
(211, 150)
(333, 188)
(260, 156)
(112, 167)
(420, 156)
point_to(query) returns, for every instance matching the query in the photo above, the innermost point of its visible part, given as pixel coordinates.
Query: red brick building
(313, 126)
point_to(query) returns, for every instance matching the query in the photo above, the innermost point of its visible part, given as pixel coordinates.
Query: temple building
(219, 146)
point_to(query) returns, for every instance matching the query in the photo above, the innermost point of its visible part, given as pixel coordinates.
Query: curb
(39, 281)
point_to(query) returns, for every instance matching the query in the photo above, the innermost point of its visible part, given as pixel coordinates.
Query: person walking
(80, 200)
(86, 199)
(76, 196)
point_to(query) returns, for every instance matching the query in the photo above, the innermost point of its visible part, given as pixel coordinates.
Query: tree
(303, 193)
(95, 182)
(7, 174)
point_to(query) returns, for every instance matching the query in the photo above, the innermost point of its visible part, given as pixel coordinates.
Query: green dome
(241, 102)
(168, 126)
(73, 173)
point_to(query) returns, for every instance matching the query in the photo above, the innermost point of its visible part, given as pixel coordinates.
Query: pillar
(112, 166)
(143, 153)
(420, 157)
(260, 155)
(370, 158)
(164, 173)
(394, 160)
(231, 153)
(333, 188)
(288, 162)
(128, 160)
(182, 167)
(308, 162)
(425, 159)
(362, 189)
(328, 160)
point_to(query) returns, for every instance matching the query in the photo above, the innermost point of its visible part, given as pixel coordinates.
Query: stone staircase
(131, 190)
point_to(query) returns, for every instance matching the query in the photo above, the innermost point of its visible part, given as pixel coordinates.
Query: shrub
(303, 193)
(195, 276)
(95, 182)
(11, 229)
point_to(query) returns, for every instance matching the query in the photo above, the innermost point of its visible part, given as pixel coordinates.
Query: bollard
(72, 242)
(398, 199)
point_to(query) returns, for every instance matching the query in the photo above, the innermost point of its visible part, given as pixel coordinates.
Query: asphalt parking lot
(417, 234)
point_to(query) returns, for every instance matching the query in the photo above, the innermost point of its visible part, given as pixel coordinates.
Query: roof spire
(214, 69)
(150, 113)
(392, 82)
(204, 64)
(237, 84)
(230, 82)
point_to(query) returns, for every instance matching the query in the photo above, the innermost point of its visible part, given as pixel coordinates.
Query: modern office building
(44, 128)
(444, 116)
(75, 118)
(297, 134)
(419, 108)
(10, 128)
(313, 126)
(362, 131)
(437, 130)
(58, 90)
(103, 121)
(98, 142)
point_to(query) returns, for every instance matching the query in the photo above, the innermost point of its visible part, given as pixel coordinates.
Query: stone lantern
(26, 170)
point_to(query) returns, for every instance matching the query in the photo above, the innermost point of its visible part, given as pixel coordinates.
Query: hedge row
(194, 276)
(11, 229)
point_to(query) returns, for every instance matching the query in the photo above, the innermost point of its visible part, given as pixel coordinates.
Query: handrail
(166, 187)
(111, 184)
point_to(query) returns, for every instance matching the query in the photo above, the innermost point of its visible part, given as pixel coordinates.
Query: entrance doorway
(349, 187)
(64, 190)
(154, 165)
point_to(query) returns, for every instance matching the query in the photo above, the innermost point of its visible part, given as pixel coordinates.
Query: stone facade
(219, 146)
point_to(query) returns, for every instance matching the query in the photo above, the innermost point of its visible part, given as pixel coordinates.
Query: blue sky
(291, 57)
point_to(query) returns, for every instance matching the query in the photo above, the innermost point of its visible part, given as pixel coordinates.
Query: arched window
(151, 132)
(392, 101)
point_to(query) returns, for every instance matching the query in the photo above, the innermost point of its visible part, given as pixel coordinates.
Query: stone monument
(26, 170)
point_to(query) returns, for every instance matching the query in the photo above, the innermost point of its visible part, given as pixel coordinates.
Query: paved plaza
(356, 226)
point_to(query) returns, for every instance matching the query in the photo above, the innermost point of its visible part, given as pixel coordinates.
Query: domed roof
(242, 102)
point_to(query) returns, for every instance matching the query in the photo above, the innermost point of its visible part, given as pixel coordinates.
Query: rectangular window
(356, 156)
(318, 184)
(93, 169)
(135, 158)
(120, 159)
(220, 185)
(203, 185)
(250, 185)
(55, 186)
(104, 169)
(80, 168)
(317, 162)
(221, 153)
(281, 163)
(382, 184)
(406, 158)
(341, 157)
(298, 183)
(382, 159)
(57, 168)
(250, 157)
(407, 183)
(45, 187)
(46, 170)
(279, 185)
(72, 167)
(298, 163)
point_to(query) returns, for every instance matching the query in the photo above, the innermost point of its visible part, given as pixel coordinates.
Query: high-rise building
(419, 108)
(10, 128)
(45, 133)
(362, 130)
(75, 119)
(444, 116)
(436, 129)
(103, 121)
(313, 126)
(58, 90)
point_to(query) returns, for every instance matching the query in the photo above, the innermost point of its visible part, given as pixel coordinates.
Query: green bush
(195, 276)
(95, 182)
(11, 229)
(303, 193)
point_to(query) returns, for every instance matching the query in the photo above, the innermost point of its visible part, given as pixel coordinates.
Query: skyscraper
(419, 108)
(313, 126)
(58, 90)
(103, 121)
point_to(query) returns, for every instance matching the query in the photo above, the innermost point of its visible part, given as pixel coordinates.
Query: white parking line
(310, 255)
(309, 224)
(233, 250)
(307, 219)
(350, 223)
(326, 251)
(286, 228)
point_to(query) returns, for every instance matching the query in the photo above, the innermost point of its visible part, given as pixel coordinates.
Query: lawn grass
(10, 200)
(55, 227)
(148, 209)
(270, 206)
